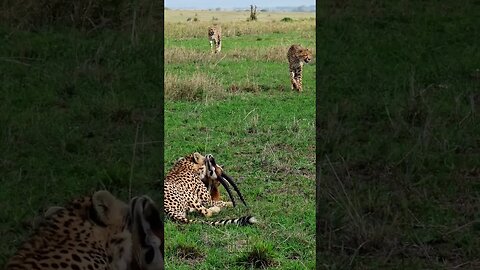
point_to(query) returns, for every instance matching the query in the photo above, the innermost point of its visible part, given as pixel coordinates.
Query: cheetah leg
(217, 206)
(178, 216)
(202, 209)
(298, 80)
(299, 84)
(214, 209)
(211, 45)
(292, 80)
(222, 204)
(219, 45)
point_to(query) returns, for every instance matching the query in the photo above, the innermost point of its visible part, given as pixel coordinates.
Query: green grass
(70, 108)
(263, 133)
(398, 135)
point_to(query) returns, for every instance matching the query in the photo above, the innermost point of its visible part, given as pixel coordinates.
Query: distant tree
(253, 13)
(218, 9)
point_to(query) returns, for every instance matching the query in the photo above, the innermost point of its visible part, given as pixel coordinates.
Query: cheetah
(215, 38)
(296, 57)
(95, 232)
(184, 190)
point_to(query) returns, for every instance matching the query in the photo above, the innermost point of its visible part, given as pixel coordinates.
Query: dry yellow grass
(196, 87)
(192, 29)
(269, 54)
(176, 16)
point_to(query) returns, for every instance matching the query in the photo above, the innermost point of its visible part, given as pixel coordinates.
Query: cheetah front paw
(228, 204)
(214, 209)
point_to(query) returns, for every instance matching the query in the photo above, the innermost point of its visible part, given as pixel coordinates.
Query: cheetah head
(215, 176)
(211, 31)
(197, 161)
(193, 162)
(305, 55)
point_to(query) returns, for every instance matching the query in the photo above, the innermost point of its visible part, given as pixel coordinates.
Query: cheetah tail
(242, 221)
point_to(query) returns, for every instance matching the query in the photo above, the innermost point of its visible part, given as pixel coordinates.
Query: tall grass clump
(193, 88)
(260, 257)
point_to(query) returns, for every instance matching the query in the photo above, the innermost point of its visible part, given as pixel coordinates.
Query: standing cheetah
(215, 38)
(296, 57)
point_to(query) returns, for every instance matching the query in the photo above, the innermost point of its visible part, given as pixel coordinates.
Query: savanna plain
(238, 106)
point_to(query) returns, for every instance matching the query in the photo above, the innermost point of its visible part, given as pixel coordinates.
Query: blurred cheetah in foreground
(184, 191)
(97, 232)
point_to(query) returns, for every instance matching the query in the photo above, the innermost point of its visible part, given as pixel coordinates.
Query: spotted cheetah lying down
(184, 190)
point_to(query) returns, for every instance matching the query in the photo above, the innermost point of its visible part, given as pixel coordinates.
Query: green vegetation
(398, 135)
(72, 106)
(238, 106)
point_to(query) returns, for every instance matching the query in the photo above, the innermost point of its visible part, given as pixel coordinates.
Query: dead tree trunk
(253, 13)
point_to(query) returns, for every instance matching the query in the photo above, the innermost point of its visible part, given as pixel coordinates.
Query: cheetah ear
(198, 158)
(103, 202)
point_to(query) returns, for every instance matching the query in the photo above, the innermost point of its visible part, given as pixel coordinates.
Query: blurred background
(81, 105)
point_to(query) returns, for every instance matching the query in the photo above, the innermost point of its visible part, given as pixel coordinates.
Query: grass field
(181, 16)
(399, 148)
(238, 106)
(72, 106)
